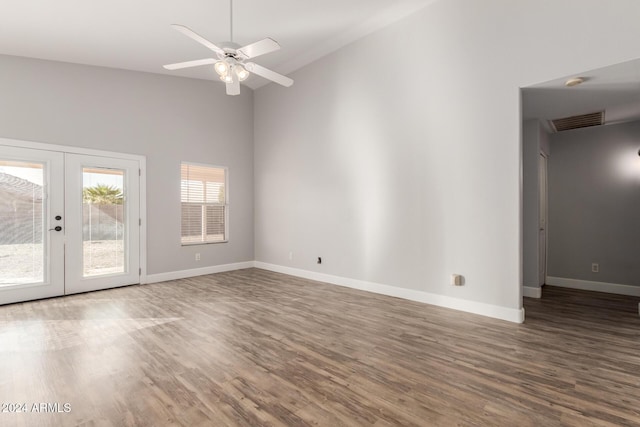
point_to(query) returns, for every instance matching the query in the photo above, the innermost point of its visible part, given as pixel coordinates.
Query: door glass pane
(21, 223)
(103, 228)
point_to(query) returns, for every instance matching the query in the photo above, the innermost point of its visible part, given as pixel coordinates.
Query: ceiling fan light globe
(221, 68)
(227, 78)
(241, 72)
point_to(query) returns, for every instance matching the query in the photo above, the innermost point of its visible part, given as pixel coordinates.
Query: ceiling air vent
(577, 122)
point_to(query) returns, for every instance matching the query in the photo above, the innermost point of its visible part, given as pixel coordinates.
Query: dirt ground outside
(23, 263)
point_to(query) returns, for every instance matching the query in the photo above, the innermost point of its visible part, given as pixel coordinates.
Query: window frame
(204, 218)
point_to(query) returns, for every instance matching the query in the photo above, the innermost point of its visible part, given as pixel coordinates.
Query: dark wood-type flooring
(257, 348)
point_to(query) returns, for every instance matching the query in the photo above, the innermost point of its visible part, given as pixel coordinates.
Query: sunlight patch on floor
(52, 335)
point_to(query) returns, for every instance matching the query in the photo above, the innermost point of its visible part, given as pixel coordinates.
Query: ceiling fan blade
(268, 74)
(192, 35)
(233, 88)
(261, 47)
(188, 64)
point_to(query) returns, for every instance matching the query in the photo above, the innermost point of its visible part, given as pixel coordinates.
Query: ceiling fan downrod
(231, 21)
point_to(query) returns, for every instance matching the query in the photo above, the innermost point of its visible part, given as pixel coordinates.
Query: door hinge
(140, 271)
(140, 221)
(139, 172)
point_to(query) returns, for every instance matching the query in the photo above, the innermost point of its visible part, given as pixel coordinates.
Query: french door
(69, 223)
(31, 200)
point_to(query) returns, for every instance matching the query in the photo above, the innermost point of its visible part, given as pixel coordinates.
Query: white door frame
(142, 161)
(543, 198)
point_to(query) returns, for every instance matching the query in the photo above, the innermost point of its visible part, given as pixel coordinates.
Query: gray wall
(594, 204)
(397, 158)
(168, 119)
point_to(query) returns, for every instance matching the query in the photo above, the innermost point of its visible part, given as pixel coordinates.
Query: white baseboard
(587, 285)
(503, 313)
(183, 274)
(532, 291)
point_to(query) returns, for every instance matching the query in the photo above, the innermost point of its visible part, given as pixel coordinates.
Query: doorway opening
(581, 183)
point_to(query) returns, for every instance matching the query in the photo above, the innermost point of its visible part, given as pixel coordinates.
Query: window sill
(203, 243)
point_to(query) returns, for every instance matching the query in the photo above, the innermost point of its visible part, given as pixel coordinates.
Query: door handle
(57, 228)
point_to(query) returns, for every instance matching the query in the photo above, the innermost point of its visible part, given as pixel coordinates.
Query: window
(204, 204)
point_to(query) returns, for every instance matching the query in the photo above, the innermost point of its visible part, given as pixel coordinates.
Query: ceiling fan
(230, 61)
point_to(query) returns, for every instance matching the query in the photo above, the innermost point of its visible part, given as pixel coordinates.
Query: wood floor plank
(252, 347)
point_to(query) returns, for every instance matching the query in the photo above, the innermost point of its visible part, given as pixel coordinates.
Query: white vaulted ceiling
(135, 34)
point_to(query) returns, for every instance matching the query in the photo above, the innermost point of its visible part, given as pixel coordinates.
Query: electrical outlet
(290, 256)
(595, 267)
(319, 260)
(198, 256)
(457, 280)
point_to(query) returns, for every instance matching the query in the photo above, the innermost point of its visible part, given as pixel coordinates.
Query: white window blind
(204, 203)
